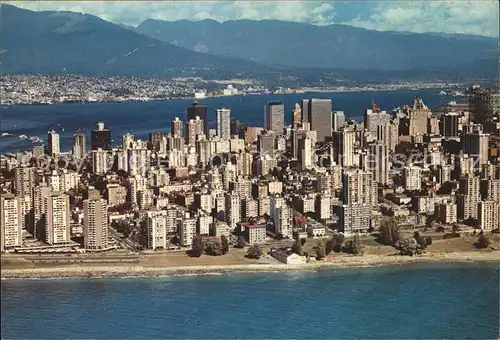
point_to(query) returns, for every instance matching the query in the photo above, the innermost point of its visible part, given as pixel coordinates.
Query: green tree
(339, 243)
(241, 242)
(297, 247)
(197, 247)
(225, 244)
(483, 242)
(357, 247)
(254, 252)
(213, 247)
(408, 246)
(321, 249)
(421, 241)
(330, 245)
(354, 246)
(389, 231)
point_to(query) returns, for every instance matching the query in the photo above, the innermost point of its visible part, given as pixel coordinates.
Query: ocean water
(421, 301)
(141, 118)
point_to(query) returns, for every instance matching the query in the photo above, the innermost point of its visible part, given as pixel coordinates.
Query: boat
(443, 93)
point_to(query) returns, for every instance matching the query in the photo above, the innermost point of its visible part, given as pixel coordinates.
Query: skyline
(455, 17)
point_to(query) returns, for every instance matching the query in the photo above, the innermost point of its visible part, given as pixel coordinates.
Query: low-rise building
(252, 232)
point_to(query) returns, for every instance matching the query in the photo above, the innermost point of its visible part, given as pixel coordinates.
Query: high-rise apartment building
(198, 110)
(358, 186)
(388, 134)
(338, 120)
(79, 144)
(345, 147)
(95, 223)
(54, 144)
(57, 218)
(177, 127)
(489, 215)
(378, 162)
(10, 222)
(223, 123)
(468, 200)
(305, 153)
(194, 128)
(100, 161)
(232, 209)
(412, 177)
(157, 229)
(24, 180)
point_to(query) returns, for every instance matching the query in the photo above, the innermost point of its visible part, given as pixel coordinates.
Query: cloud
(478, 17)
(132, 13)
(459, 16)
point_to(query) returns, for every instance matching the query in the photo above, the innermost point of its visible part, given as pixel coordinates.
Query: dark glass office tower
(100, 137)
(198, 110)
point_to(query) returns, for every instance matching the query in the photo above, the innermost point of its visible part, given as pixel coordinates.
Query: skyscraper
(194, 128)
(296, 116)
(305, 153)
(177, 127)
(57, 218)
(483, 103)
(449, 124)
(417, 118)
(358, 187)
(274, 117)
(476, 145)
(338, 120)
(320, 118)
(24, 180)
(54, 146)
(345, 147)
(10, 222)
(79, 144)
(379, 162)
(304, 108)
(198, 110)
(265, 144)
(375, 117)
(100, 137)
(223, 123)
(95, 223)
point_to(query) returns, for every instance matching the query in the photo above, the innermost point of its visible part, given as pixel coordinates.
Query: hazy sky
(461, 16)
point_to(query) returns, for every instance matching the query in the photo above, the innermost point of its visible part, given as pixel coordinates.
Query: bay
(420, 301)
(142, 118)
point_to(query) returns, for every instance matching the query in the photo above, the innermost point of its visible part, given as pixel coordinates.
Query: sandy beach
(100, 271)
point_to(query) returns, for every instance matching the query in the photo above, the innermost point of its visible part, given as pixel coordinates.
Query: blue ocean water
(141, 118)
(421, 301)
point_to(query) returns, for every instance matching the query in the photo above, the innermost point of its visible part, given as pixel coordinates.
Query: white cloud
(468, 17)
(458, 16)
(132, 13)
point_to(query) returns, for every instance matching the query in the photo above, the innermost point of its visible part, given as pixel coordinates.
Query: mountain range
(52, 42)
(331, 47)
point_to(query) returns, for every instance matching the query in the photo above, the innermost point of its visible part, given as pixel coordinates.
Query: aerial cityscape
(302, 194)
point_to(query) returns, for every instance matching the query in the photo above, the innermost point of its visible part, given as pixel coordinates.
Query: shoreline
(415, 87)
(138, 271)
